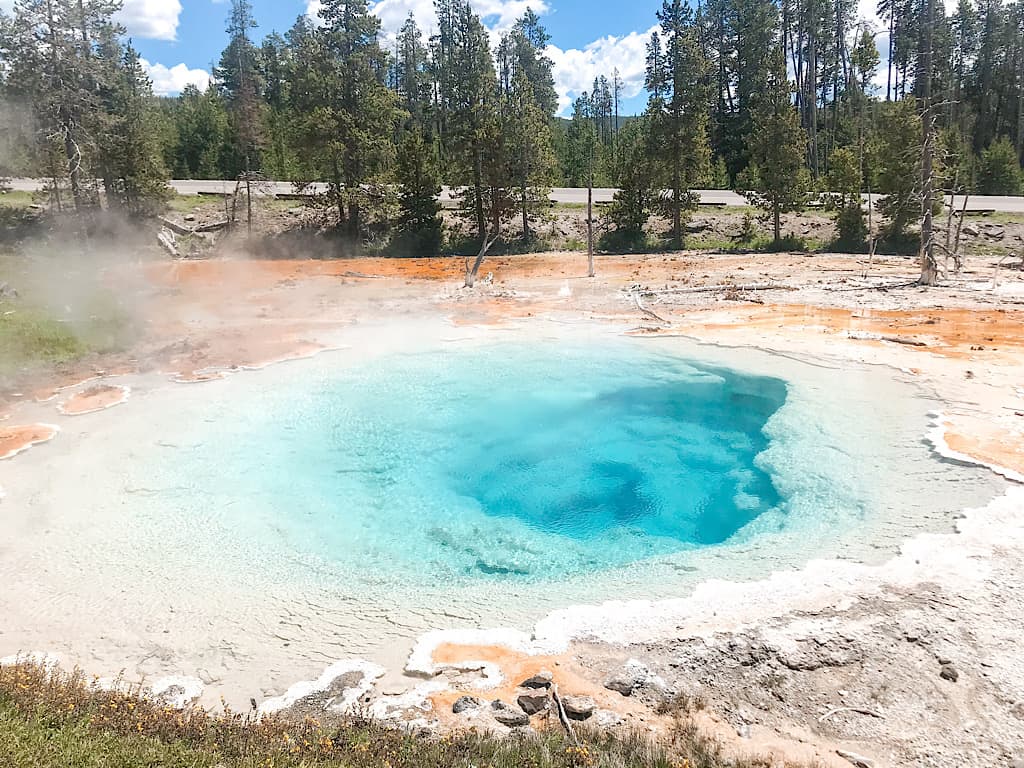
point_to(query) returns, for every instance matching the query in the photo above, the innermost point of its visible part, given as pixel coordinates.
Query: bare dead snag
(562, 717)
(856, 710)
(716, 288)
(646, 311)
(472, 272)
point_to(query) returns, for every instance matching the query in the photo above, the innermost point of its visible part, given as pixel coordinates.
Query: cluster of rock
(535, 696)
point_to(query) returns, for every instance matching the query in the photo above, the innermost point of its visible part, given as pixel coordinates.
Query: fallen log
(856, 710)
(176, 228)
(646, 311)
(166, 240)
(214, 227)
(715, 288)
(858, 760)
(905, 342)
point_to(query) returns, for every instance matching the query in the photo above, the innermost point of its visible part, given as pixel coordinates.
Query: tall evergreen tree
(678, 109)
(136, 179)
(277, 159)
(344, 113)
(412, 75)
(636, 174)
(999, 172)
(777, 178)
(66, 61)
(898, 153)
(419, 222)
(468, 100)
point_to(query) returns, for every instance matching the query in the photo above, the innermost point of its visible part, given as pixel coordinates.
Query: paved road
(559, 195)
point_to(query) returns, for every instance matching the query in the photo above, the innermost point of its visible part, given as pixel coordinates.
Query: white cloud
(575, 69)
(497, 15)
(172, 81)
(6, 5)
(151, 19)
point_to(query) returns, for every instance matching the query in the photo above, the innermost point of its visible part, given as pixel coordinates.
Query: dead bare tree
(474, 270)
(929, 266)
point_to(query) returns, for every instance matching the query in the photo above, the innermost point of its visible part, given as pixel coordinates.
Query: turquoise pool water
(263, 526)
(517, 462)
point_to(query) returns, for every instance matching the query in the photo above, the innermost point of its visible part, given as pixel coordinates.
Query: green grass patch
(757, 244)
(31, 336)
(49, 719)
(17, 200)
(190, 203)
(992, 217)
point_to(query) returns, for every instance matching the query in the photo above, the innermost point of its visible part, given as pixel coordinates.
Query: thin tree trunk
(929, 267)
(478, 191)
(590, 228)
(472, 272)
(892, 35)
(248, 200)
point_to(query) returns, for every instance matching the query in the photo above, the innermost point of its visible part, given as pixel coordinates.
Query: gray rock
(970, 229)
(604, 718)
(1017, 762)
(743, 731)
(508, 716)
(542, 679)
(190, 217)
(627, 679)
(949, 673)
(533, 702)
(578, 707)
(465, 703)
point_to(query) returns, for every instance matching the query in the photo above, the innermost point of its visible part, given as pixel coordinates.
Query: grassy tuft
(30, 335)
(51, 719)
(17, 200)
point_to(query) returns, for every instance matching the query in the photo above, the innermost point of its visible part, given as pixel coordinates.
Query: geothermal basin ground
(780, 502)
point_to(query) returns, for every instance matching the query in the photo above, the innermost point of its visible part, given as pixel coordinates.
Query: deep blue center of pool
(503, 460)
(673, 457)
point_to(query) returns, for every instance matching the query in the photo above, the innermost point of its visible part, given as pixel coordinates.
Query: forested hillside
(777, 99)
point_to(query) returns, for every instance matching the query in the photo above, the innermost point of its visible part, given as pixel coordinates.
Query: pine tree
(898, 160)
(87, 96)
(344, 115)
(412, 76)
(277, 159)
(419, 221)
(999, 172)
(777, 180)
(237, 79)
(528, 102)
(678, 110)
(582, 146)
(752, 26)
(470, 131)
(638, 192)
(137, 177)
(202, 134)
(845, 183)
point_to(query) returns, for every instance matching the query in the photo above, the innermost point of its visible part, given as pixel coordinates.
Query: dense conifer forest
(779, 99)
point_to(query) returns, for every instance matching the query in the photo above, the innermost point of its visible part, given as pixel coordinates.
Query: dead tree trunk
(472, 272)
(929, 267)
(590, 229)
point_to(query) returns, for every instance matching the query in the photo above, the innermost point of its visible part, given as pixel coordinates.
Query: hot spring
(343, 505)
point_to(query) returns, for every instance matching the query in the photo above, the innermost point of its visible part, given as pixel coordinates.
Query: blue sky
(180, 40)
